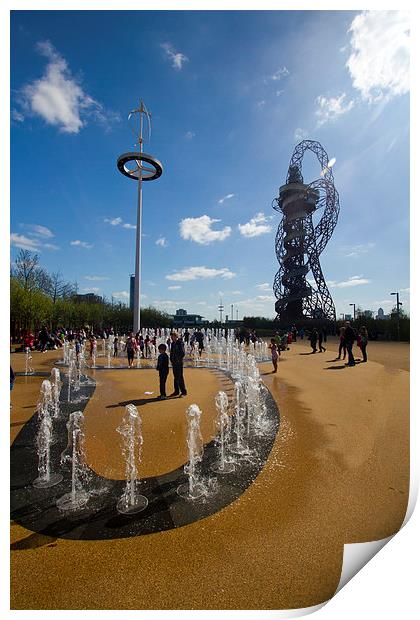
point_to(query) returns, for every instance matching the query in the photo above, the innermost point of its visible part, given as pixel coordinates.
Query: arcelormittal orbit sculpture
(299, 285)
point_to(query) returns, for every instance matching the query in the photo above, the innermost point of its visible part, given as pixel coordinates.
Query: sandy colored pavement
(338, 473)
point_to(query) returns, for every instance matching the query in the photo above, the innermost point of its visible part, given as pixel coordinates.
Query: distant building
(89, 298)
(132, 290)
(381, 314)
(183, 319)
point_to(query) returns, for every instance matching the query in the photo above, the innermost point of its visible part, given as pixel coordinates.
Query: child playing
(274, 353)
(163, 368)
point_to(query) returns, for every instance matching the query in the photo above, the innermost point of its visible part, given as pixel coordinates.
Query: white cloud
(300, 134)
(236, 293)
(279, 92)
(354, 251)
(227, 197)
(58, 97)
(26, 243)
(31, 242)
(261, 104)
(405, 290)
(379, 62)
(118, 221)
(177, 58)
(121, 295)
(96, 278)
(352, 281)
(81, 244)
(91, 289)
(114, 221)
(200, 273)
(175, 287)
(199, 229)
(255, 227)
(162, 242)
(190, 135)
(264, 298)
(329, 109)
(17, 116)
(278, 75)
(40, 231)
(265, 286)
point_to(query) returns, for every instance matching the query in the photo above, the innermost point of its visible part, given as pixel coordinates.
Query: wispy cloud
(177, 59)
(33, 241)
(255, 227)
(59, 98)
(190, 135)
(352, 281)
(175, 287)
(200, 273)
(354, 251)
(379, 62)
(300, 134)
(121, 295)
(91, 289)
(82, 244)
(199, 230)
(118, 221)
(261, 103)
(17, 116)
(96, 278)
(278, 75)
(224, 198)
(162, 242)
(331, 108)
(265, 286)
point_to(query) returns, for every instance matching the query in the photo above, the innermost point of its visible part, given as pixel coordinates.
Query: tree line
(39, 298)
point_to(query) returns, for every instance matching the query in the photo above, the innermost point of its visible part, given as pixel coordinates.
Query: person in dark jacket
(320, 341)
(349, 338)
(314, 339)
(177, 360)
(163, 368)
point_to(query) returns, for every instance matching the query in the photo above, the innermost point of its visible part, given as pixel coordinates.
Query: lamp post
(132, 166)
(354, 311)
(399, 303)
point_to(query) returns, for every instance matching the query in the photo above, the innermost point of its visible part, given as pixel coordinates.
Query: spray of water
(130, 428)
(46, 478)
(74, 454)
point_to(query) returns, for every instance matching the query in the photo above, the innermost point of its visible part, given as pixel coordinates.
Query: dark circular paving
(35, 509)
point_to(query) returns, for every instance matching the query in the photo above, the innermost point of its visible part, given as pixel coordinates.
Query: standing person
(147, 345)
(342, 345)
(116, 346)
(186, 336)
(177, 360)
(294, 333)
(92, 346)
(274, 353)
(363, 341)
(277, 340)
(43, 338)
(349, 338)
(320, 341)
(314, 339)
(130, 347)
(199, 337)
(301, 333)
(163, 368)
(141, 345)
(325, 333)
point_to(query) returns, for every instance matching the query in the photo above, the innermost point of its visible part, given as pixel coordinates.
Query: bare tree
(25, 269)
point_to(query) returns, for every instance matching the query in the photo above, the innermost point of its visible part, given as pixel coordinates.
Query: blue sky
(231, 94)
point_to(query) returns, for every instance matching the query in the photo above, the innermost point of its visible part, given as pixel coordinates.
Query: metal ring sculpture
(147, 174)
(299, 243)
